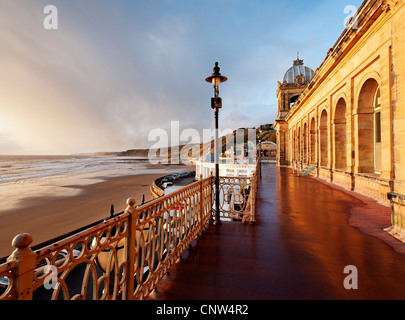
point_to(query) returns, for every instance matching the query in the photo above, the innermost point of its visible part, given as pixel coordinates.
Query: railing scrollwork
(125, 256)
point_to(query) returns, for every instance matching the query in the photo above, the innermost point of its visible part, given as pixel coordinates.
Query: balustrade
(125, 256)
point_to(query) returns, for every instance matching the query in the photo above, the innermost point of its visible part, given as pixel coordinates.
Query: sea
(35, 176)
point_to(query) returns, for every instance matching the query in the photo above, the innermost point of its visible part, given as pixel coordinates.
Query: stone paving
(307, 232)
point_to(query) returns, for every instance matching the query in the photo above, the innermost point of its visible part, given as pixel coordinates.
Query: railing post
(26, 260)
(131, 248)
(201, 211)
(253, 196)
(212, 196)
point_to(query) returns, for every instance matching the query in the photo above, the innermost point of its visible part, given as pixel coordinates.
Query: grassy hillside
(265, 132)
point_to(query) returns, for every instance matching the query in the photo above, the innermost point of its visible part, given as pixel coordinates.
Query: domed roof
(297, 69)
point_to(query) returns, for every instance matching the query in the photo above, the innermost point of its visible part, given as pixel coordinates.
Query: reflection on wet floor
(298, 249)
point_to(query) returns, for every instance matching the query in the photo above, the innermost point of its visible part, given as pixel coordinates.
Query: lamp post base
(217, 222)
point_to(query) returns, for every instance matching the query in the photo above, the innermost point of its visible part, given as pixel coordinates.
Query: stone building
(347, 120)
(267, 151)
(294, 82)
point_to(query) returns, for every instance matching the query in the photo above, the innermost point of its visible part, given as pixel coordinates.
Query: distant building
(228, 167)
(294, 82)
(268, 151)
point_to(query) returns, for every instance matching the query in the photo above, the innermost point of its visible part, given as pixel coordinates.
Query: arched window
(340, 135)
(293, 99)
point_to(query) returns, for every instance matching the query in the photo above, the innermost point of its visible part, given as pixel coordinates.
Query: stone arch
(340, 134)
(305, 143)
(292, 99)
(367, 123)
(294, 146)
(312, 142)
(323, 138)
(369, 76)
(299, 144)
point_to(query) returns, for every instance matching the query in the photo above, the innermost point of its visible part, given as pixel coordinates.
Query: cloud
(72, 89)
(115, 70)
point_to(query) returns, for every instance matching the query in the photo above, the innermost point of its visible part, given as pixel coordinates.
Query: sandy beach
(47, 217)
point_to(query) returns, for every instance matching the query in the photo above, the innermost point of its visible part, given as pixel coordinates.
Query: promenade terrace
(306, 233)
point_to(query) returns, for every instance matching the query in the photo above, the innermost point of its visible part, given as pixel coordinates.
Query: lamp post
(260, 139)
(216, 103)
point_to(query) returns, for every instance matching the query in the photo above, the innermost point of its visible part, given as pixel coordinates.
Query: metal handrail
(123, 256)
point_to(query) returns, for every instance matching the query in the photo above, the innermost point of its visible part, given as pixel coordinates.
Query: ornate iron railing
(238, 197)
(8, 276)
(125, 256)
(122, 258)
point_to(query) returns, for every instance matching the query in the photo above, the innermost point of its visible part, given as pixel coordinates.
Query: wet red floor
(307, 232)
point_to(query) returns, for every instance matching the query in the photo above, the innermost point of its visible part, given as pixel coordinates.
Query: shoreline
(48, 217)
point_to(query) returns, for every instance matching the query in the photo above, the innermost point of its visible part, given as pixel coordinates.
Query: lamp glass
(216, 81)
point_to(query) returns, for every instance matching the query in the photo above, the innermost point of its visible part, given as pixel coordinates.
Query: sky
(112, 72)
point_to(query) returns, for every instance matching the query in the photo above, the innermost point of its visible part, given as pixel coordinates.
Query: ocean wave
(17, 169)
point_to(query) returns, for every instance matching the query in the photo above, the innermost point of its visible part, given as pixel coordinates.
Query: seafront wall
(156, 190)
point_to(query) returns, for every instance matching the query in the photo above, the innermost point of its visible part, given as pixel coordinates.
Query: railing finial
(21, 244)
(131, 205)
(26, 259)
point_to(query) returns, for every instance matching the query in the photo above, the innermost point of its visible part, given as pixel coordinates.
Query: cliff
(265, 132)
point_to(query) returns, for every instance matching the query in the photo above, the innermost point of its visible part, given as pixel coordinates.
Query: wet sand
(52, 216)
